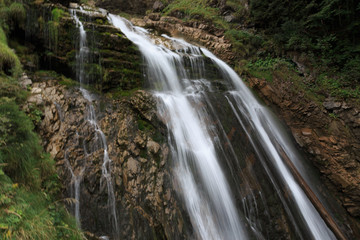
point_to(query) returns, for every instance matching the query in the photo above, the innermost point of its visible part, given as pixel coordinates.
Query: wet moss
(119, 93)
(68, 82)
(144, 125)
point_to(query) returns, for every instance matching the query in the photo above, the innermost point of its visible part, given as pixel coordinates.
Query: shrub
(17, 12)
(9, 62)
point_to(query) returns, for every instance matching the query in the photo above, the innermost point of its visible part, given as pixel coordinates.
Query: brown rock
(306, 131)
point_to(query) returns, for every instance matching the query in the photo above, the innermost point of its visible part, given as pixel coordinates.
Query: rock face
(146, 204)
(198, 32)
(329, 133)
(114, 61)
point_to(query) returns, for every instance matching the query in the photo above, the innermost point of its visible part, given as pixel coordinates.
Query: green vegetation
(245, 42)
(53, 27)
(12, 13)
(195, 9)
(324, 34)
(68, 82)
(29, 185)
(9, 63)
(265, 68)
(119, 93)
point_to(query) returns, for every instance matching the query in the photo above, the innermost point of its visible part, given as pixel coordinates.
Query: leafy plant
(53, 27)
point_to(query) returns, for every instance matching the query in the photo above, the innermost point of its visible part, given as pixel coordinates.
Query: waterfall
(212, 209)
(261, 122)
(178, 80)
(81, 59)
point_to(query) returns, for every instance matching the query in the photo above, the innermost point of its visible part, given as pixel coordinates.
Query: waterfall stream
(81, 60)
(178, 80)
(212, 209)
(227, 149)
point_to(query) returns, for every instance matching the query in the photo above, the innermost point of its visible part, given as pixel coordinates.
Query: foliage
(32, 215)
(245, 42)
(119, 93)
(9, 62)
(335, 87)
(12, 13)
(266, 67)
(3, 38)
(17, 12)
(195, 9)
(29, 185)
(68, 82)
(27, 211)
(21, 150)
(326, 31)
(53, 26)
(35, 114)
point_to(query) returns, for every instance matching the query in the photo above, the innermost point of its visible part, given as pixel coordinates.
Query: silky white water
(211, 207)
(258, 117)
(81, 60)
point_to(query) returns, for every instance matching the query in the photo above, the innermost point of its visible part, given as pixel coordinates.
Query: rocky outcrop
(146, 204)
(328, 133)
(113, 62)
(199, 32)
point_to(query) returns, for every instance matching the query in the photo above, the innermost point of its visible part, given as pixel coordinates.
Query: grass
(9, 62)
(120, 93)
(29, 185)
(195, 9)
(32, 215)
(335, 87)
(17, 12)
(68, 82)
(53, 27)
(3, 38)
(266, 67)
(28, 180)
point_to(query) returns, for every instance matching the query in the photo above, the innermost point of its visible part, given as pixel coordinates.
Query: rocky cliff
(328, 132)
(146, 203)
(147, 206)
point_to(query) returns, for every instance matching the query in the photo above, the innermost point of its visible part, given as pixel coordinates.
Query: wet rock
(328, 142)
(210, 37)
(230, 18)
(73, 5)
(153, 147)
(154, 16)
(139, 165)
(25, 81)
(331, 104)
(306, 131)
(133, 166)
(158, 6)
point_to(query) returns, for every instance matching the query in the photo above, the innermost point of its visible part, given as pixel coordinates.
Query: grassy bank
(30, 204)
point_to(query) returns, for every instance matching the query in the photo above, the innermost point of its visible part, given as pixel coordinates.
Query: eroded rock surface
(200, 32)
(329, 133)
(146, 204)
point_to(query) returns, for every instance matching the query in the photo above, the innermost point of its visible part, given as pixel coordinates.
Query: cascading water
(81, 60)
(261, 122)
(212, 210)
(195, 133)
